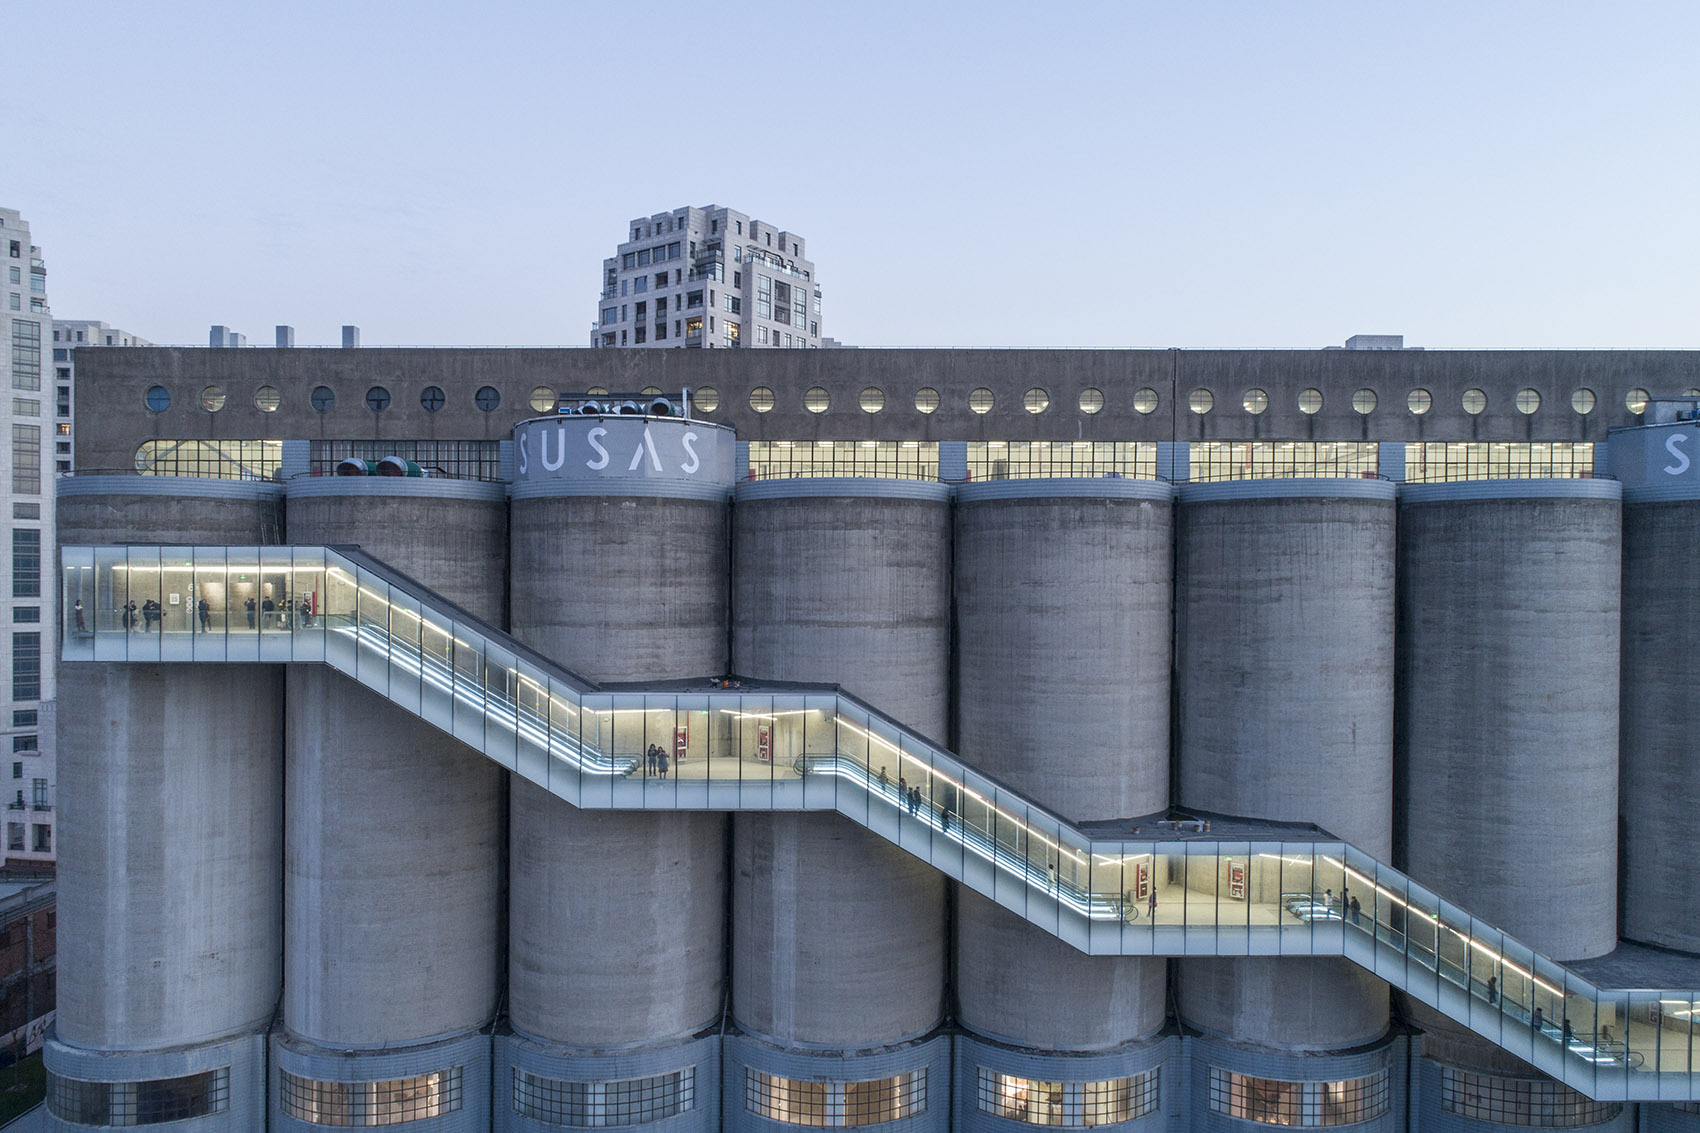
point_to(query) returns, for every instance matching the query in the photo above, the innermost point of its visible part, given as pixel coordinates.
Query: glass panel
(372, 629)
(308, 585)
(406, 686)
(142, 570)
(501, 696)
(467, 655)
(436, 663)
(78, 602)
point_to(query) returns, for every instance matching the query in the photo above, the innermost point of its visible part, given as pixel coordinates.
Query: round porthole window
(1364, 402)
(1528, 401)
(1474, 401)
(322, 399)
(873, 400)
(266, 399)
(817, 400)
(1419, 401)
(1035, 401)
(927, 400)
(1636, 401)
(1201, 401)
(1310, 401)
(761, 399)
(982, 400)
(158, 399)
(1145, 401)
(431, 399)
(212, 399)
(1091, 400)
(706, 399)
(487, 398)
(542, 400)
(1255, 401)
(377, 399)
(1583, 401)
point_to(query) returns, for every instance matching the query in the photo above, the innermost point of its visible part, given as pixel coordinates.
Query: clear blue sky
(1186, 174)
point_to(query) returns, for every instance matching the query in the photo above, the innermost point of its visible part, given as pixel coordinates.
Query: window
(1310, 401)
(322, 399)
(761, 399)
(214, 460)
(1070, 1104)
(26, 407)
(927, 400)
(15, 841)
(542, 399)
(732, 303)
(26, 354)
(455, 460)
(26, 511)
(1583, 401)
(17, 770)
(1474, 401)
(640, 335)
(1520, 1101)
(631, 1101)
(1364, 402)
(610, 315)
(817, 400)
(1419, 401)
(26, 666)
(392, 1102)
(138, 1103)
(981, 400)
(25, 718)
(212, 399)
(1201, 401)
(26, 459)
(640, 285)
(1214, 461)
(1635, 400)
(872, 400)
(1272, 1101)
(1145, 401)
(1021, 460)
(1255, 401)
(693, 328)
(26, 614)
(26, 562)
(1435, 463)
(24, 744)
(1091, 401)
(487, 398)
(693, 298)
(15, 277)
(706, 399)
(16, 245)
(728, 333)
(1035, 401)
(835, 1104)
(38, 794)
(1527, 401)
(267, 399)
(431, 399)
(43, 841)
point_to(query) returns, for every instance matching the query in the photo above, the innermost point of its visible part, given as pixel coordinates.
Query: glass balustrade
(1181, 892)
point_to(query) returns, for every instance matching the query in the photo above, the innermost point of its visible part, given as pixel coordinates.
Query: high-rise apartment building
(708, 277)
(68, 335)
(26, 324)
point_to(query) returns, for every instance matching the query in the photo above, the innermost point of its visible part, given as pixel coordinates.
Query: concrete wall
(1661, 670)
(838, 937)
(617, 921)
(1508, 682)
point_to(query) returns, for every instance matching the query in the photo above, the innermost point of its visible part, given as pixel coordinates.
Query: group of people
(275, 615)
(657, 761)
(150, 614)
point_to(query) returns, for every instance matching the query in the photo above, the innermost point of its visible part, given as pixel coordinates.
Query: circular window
(212, 399)
(761, 399)
(543, 399)
(1528, 401)
(1310, 401)
(1364, 402)
(649, 391)
(431, 398)
(1255, 401)
(1091, 400)
(927, 399)
(487, 398)
(377, 399)
(1583, 401)
(706, 399)
(1474, 401)
(1636, 401)
(981, 400)
(873, 400)
(817, 400)
(596, 391)
(1419, 401)
(266, 399)
(1691, 393)
(158, 399)
(322, 399)
(1201, 401)
(1035, 400)
(1145, 401)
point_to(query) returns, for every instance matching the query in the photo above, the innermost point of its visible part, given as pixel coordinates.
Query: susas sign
(614, 448)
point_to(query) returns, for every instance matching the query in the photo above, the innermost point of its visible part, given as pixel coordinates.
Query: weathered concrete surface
(1288, 1002)
(839, 938)
(1661, 670)
(1063, 632)
(617, 922)
(170, 818)
(1508, 677)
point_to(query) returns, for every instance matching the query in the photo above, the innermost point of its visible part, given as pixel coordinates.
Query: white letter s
(601, 462)
(1673, 446)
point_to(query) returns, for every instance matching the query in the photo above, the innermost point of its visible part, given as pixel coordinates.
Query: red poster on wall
(764, 743)
(1236, 880)
(1142, 881)
(681, 742)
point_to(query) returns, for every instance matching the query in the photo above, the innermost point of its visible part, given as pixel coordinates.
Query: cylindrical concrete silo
(172, 772)
(1509, 637)
(618, 919)
(838, 937)
(395, 830)
(1284, 649)
(1063, 606)
(1661, 670)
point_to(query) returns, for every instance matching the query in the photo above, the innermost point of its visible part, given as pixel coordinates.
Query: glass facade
(900, 460)
(215, 460)
(1480, 460)
(1172, 890)
(1069, 1104)
(797, 1101)
(599, 1104)
(1519, 1101)
(395, 1101)
(1014, 460)
(1273, 1101)
(458, 460)
(1264, 460)
(138, 1103)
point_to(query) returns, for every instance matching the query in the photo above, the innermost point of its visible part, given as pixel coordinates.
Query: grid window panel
(1437, 463)
(1273, 1101)
(796, 1101)
(26, 562)
(138, 1103)
(456, 460)
(26, 354)
(597, 1104)
(1520, 1101)
(1068, 1104)
(26, 666)
(26, 459)
(213, 460)
(1023, 460)
(1215, 461)
(394, 1101)
(779, 460)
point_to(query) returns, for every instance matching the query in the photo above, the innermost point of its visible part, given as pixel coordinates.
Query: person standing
(249, 606)
(1493, 990)
(204, 609)
(82, 627)
(1151, 903)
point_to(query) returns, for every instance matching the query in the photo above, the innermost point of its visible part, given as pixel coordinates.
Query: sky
(1194, 173)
